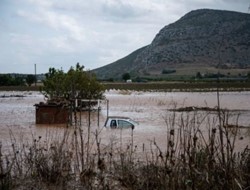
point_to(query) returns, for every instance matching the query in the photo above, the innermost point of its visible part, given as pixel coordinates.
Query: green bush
(168, 71)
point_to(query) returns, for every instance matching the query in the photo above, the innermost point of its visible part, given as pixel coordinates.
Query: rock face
(201, 38)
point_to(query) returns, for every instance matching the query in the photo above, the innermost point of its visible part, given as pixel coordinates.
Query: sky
(61, 33)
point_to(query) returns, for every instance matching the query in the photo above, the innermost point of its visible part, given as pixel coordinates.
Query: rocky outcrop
(208, 37)
(211, 38)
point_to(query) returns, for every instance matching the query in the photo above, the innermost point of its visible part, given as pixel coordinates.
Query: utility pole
(35, 74)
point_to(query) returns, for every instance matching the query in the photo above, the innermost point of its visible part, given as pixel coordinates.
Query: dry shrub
(5, 171)
(191, 159)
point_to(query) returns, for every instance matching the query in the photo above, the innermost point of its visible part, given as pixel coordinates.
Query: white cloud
(118, 9)
(57, 21)
(93, 32)
(41, 3)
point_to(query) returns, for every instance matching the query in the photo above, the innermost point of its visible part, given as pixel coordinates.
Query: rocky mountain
(202, 40)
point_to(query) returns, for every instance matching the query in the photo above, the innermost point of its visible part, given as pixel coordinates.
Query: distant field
(181, 86)
(159, 86)
(192, 70)
(186, 73)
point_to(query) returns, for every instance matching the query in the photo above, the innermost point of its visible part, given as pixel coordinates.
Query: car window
(133, 122)
(122, 123)
(113, 123)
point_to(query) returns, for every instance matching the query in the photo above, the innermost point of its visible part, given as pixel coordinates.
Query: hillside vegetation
(205, 41)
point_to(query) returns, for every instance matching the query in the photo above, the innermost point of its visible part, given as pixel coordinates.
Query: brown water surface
(150, 109)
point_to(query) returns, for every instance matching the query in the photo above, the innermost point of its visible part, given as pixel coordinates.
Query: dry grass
(192, 160)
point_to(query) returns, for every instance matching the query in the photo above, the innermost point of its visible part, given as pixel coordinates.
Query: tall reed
(192, 159)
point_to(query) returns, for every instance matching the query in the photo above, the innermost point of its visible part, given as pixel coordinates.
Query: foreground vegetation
(191, 159)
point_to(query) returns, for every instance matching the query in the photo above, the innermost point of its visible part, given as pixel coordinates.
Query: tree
(168, 71)
(8, 80)
(53, 85)
(30, 79)
(5, 80)
(76, 83)
(126, 76)
(18, 81)
(198, 75)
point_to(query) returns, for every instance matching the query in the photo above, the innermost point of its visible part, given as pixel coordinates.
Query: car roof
(118, 117)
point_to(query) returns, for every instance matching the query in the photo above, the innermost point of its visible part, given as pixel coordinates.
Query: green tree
(126, 76)
(18, 81)
(54, 84)
(5, 80)
(8, 80)
(76, 83)
(198, 75)
(30, 79)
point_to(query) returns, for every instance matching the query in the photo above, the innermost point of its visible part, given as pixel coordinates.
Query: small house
(51, 113)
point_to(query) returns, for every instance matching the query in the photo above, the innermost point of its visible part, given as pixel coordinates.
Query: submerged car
(114, 122)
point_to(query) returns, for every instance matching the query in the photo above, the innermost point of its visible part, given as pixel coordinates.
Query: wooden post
(98, 113)
(107, 108)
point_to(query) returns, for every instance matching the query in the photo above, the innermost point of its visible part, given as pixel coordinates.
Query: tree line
(16, 80)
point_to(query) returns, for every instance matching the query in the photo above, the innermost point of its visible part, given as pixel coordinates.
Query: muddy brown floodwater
(150, 109)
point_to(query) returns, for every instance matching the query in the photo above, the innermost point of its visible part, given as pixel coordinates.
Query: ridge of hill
(202, 40)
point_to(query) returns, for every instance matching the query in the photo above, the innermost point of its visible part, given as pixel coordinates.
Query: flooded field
(150, 109)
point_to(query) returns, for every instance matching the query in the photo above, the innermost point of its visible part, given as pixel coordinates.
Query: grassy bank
(160, 86)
